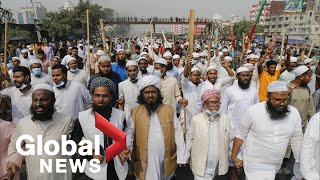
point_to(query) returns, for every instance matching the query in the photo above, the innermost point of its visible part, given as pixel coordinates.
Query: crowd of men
(185, 116)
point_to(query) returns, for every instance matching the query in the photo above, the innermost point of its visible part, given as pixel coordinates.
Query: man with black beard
(301, 97)
(171, 70)
(102, 90)
(159, 144)
(49, 124)
(237, 99)
(119, 67)
(266, 129)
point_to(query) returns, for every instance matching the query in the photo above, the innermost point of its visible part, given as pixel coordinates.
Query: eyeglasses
(279, 101)
(101, 95)
(213, 103)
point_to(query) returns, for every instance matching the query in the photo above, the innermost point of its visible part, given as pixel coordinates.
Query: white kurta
(61, 124)
(173, 72)
(25, 62)
(266, 140)
(81, 77)
(72, 99)
(129, 92)
(312, 83)
(170, 91)
(43, 79)
(155, 156)
(310, 149)
(287, 77)
(21, 103)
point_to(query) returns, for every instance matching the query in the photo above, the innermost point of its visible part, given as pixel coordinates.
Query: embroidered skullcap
(101, 53)
(176, 56)
(242, 69)
(167, 54)
(131, 63)
(102, 82)
(277, 86)
(35, 61)
(161, 61)
(149, 80)
(42, 86)
(104, 59)
(70, 58)
(300, 70)
(210, 93)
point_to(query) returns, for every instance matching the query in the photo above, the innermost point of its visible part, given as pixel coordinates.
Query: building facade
(26, 16)
(264, 15)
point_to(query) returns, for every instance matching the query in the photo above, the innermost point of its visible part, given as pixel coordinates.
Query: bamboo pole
(110, 47)
(185, 121)
(313, 41)
(191, 33)
(88, 43)
(5, 58)
(165, 39)
(282, 45)
(103, 36)
(209, 51)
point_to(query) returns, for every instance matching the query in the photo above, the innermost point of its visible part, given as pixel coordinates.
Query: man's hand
(12, 168)
(183, 102)
(237, 163)
(121, 101)
(8, 175)
(124, 156)
(99, 157)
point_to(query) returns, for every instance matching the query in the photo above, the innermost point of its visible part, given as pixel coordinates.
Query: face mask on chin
(24, 85)
(212, 113)
(157, 73)
(74, 70)
(62, 83)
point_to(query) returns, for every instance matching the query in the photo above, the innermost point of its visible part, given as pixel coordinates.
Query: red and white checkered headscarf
(210, 93)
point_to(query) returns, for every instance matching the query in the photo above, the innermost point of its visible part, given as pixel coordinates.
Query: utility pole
(35, 15)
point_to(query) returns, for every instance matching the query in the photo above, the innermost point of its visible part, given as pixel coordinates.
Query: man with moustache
(143, 65)
(119, 67)
(101, 90)
(158, 138)
(20, 94)
(266, 129)
(171, 70)
(45, 121)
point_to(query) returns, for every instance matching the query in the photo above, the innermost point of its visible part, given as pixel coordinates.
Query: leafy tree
(17, 32)
(245, 26)
(5, 14)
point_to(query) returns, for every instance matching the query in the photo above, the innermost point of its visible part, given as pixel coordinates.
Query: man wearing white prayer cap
(171, 70)
(24, 60)
(176, 63)
(154, 122)
(262, 157)
(15, 61)
(128, 89)
(155, 53)
(76, 74)
(119, 67)
(301, 98)
(37, 76)
(288, 75)
(43, 118)
(312, 84)
(143, 66)
(225, 52)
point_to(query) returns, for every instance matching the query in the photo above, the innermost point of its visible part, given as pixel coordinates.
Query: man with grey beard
(265, 130)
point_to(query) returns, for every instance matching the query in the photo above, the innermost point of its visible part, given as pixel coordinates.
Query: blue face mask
(212, 113)
(36, 71)
(194, 62)
(313, 68)
(74, 70)
(157, 73)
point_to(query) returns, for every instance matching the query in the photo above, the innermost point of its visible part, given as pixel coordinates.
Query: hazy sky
(162, 8)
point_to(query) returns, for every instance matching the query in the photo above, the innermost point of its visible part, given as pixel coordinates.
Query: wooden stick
(88, 43)
(185, 120)
(209, 51)
(191, 33)
(110, 47)
(5, 58)
(165, 39)
(103, 36)
(282, 45)
(313, 41)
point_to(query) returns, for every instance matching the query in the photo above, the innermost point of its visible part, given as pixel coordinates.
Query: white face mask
(60, 84)
(313, 68)
(194, 62)
(24, 85)
(74, 70)
(157, 73)
(202, 60)
(212, 113)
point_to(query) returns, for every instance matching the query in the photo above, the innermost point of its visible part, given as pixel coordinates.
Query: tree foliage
(19, 33)
(245, 26)
(5, 14)
(65, 22)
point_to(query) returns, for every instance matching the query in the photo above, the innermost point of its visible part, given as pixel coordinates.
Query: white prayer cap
(256, 57)
(206, 46)
(35, 61)
(277, 86)
(119, 50)
(24, 51)
(169, 45)
(195, 69)
(142, 58)
(131, 63)
(90, 47)
(228, 58)
(249, 51)
(202, 54)
(42, 86)
(195, 55)
(167, 54)
(293, 59)
(161, 61)
(144, 53)
(30, 49)
(300, 70)
(306, 61)
(80, 44)
(28, 46)
(104, 58)
(220, 53)
(17, 58)
(224, 50)
(155, 46)
(149, 80)
(198, 46)
(211, 67)
(242, 69)
(176, 56)
(70, 58)
(249, 66)
(250, 56)
(283, 58)
(69, 47)
(100, 52)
